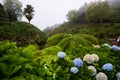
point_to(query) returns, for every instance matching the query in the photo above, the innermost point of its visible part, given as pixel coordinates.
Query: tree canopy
(96, 12)
(13, 9)
(3, 15)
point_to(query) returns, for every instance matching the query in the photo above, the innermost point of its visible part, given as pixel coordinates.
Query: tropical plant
(28, 11)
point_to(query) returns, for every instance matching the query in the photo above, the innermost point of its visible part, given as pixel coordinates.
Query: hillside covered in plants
(76, 50)
(102, 31)
(22, 33)
(98, 18)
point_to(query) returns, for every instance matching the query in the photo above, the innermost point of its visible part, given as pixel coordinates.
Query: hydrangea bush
(59, 62)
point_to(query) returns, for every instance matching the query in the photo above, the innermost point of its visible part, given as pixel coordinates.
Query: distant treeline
(96, 12)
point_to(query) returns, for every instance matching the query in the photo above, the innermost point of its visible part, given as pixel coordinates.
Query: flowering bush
(61, 54)
(90, 59)
(101, 76)
(74, 70)
(78, 62)
(107, 67)
(93, 70)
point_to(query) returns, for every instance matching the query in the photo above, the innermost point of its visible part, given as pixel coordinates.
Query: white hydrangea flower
(88, 59)
(93, 70)
(95, 56)
(101, 76)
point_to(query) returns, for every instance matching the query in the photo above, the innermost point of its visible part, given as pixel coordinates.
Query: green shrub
(70, 43)
(18, 63)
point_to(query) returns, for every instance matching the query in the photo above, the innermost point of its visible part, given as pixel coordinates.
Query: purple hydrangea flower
(118, 75)
(115, 48)
(78, 62)
(61, 54)
(74, 70)
(107, 67)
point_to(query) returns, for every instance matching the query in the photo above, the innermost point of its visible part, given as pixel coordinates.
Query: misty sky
(50, 12)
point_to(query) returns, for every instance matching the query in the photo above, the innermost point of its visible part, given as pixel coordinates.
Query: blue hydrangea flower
(78, 62)
(118, 75)
(115, 48)
(107, 67)
(93, 70)
(74, 70)
(61, 54)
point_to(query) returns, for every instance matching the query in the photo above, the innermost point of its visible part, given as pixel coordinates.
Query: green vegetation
(22, 33)
(97, 11)
(19, 63)
(27, 63)
(104, 31)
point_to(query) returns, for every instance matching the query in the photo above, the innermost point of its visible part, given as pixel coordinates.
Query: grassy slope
(105, 30)
(21, 32)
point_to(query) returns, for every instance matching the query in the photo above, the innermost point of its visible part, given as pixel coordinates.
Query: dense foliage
(78, 62)
(22, 33)
(62, 65)
(19, 63)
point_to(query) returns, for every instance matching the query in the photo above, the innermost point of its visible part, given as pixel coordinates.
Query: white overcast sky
(50, 12)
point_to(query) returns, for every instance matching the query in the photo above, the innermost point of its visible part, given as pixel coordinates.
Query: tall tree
(73, 16)
(115, 11)
(97, 11)
(28, 11)
(13, 9)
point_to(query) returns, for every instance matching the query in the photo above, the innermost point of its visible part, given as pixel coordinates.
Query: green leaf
(3, 67)
(32, 77)
(18, 78)
(16, 68)
(28, 66)
(22, 60)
